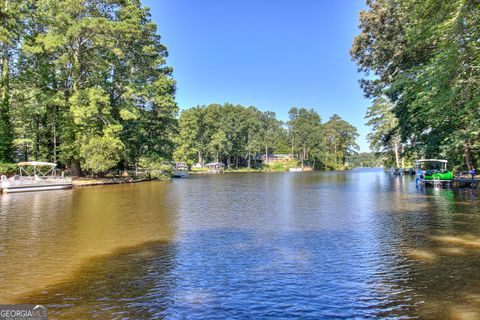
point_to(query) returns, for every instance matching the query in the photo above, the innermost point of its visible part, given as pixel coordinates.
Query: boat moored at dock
(433, 172)
(180, 170)
(300, 169)
(35, 176)
(215, 167)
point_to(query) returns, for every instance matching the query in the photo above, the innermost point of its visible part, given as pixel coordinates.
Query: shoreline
(90, 182)
(93, 182)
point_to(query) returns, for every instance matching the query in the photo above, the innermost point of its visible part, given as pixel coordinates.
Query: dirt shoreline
(86, 182)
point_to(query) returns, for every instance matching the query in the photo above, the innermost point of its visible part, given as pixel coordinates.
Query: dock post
(436, 182)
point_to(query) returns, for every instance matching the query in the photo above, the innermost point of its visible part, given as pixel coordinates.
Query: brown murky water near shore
(317, 245)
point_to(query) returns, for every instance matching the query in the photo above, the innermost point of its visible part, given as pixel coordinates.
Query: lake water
(317, 245)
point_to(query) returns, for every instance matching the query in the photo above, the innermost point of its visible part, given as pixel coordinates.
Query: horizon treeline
(422, 65)
(235, 135)
(83, 84)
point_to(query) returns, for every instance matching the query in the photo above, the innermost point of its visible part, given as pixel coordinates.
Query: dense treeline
(365, 160)
(84, 84)
(422, 65)
(235, 134)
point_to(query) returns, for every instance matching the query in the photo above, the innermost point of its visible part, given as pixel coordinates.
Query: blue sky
(273, 54)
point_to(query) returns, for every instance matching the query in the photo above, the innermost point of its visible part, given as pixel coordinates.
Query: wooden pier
(467, 182)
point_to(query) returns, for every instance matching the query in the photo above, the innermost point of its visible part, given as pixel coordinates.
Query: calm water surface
(360, 244)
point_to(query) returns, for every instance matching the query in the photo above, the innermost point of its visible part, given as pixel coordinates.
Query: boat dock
(467, 182)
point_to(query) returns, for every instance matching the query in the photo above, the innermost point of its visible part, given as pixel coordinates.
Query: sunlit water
(279, 245)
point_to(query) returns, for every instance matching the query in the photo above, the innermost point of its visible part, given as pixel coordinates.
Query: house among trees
(272, 158)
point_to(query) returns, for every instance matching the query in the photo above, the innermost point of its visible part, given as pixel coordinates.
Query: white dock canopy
(432, 160)
(37, 164)
(37, 168)
(420, 161)
(215, 165)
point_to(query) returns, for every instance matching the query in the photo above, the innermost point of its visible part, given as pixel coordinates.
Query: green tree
(384, 138)
(101, 153)
(219, 145)
(11, 28)
(269, 131)
(305, 129)
(191, 144)
(340, 139)
(253, 134)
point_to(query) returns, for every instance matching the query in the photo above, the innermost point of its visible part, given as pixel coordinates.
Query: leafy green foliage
(87, 84)
(340, 139)
(384, 138)
(305, 131)
(8, 169)
(225, 133)
(365, 159)
(240, 135)
(156, 166)
(100, 154)
(423, 59)
(12, 24)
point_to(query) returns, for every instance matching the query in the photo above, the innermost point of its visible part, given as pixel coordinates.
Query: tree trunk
(37, 136)
(75, 168)
(403, 160)
(55, 110)
(25, 152)
(292, 150)
(468, 156)
(248, 161)
(6, 136)
(397, 154)
(266, 154)
(304, 155)
(335, 152)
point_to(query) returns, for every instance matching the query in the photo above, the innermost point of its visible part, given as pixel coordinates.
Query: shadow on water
(437, 234)
(46, 236)
(118, 285)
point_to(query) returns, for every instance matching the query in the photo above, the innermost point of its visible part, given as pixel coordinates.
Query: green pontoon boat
(432, 171)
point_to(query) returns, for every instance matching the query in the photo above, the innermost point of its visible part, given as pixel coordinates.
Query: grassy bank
(271, 167)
